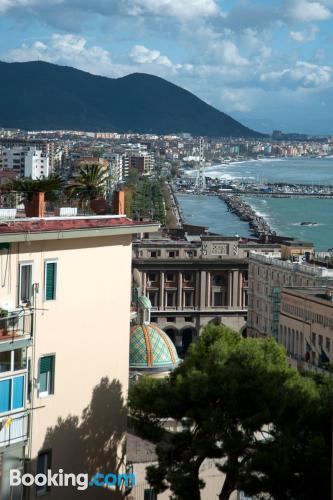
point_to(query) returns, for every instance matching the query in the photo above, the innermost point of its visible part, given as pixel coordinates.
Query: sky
(267, 63)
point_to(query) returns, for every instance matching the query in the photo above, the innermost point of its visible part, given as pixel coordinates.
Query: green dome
(151, 349)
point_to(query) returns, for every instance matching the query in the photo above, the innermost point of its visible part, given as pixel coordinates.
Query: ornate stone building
(193, 280)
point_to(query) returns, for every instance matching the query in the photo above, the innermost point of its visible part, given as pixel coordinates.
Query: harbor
(262, 199)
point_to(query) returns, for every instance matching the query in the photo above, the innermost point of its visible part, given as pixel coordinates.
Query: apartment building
(48, 148)
(306, 325)
(193, 280)
(25, 161)
(64, 347)
(267, 276)
(143, 162)
(36, 164)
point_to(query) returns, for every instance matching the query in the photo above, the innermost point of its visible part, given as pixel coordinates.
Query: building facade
(36, 164)
(194, 281)
(306, 325)
(267, 276)
(64, 347)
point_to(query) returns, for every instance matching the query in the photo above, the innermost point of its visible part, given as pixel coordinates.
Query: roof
(71, 227)
(151, 349)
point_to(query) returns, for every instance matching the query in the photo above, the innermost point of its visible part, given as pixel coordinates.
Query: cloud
(304, 36)
(184, 9)
(303, 74)
(306, 11)
(140, 54)
(70, 50)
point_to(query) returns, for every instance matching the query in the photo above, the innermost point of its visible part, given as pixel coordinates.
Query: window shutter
(46, 364)
(5, 390)
(18, 391)
(50, 280)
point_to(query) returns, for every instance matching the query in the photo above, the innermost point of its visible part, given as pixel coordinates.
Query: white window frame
(50, 382)
(12, 362)
(21, 264)
(50, 261)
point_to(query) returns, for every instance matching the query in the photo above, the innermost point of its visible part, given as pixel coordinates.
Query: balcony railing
(16, 325)
(14, 428)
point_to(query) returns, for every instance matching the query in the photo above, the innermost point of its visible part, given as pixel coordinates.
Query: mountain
(42, 96)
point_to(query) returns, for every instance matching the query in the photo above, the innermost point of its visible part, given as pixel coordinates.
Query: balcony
(16, 326)
(14, 428)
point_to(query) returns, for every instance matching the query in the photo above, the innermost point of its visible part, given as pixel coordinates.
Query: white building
(26, 161)
(36, 164)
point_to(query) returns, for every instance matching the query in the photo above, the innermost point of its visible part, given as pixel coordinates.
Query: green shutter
(46, 364)
(51, 268)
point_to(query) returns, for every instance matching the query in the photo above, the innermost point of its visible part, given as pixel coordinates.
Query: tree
(234, 398)
(52, 186)
(90, 184)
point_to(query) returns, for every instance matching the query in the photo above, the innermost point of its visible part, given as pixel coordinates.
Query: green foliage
(239, 402)
(52, 186)
(146, 198)
(90, 184)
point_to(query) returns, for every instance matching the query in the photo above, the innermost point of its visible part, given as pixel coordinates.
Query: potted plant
(52, 186)
(3, 322)
(90, 187)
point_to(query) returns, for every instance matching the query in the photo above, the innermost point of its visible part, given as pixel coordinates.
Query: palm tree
(90, 186)
(52, 186)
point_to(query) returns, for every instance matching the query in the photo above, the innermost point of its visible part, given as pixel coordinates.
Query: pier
(258, 226)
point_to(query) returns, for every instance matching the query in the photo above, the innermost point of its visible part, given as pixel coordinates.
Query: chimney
(119, 202)
(37, 205)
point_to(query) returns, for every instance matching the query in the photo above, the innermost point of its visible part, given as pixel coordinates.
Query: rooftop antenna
(200, 181)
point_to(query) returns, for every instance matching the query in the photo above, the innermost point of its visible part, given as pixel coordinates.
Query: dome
(151, 349)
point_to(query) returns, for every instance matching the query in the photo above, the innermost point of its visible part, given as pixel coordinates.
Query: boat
(307, 223)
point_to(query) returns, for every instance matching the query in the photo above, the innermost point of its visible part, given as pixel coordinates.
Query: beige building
(268, 274)
(192, 280)
(306, 325)
(64, 347)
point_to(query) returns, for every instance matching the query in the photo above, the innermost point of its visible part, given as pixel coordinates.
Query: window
(188, 277)
(188, 319)
(50, 277)
(46, 376)
(171, 319)
(25, 283)
(328, 344)
(44, 462)
(13, 360)
(170, 299)
(5, 361)
(149, 494)
(153, 297)
(189, 296)
(152, 277)
(173, 253)
(219, 280)
(12, 394)
(313, 338)
(169, 277)
(218, 299)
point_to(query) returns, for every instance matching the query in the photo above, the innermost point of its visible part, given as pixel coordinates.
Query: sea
(284, 215)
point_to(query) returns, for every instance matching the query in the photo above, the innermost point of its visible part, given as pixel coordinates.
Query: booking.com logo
(62, 479)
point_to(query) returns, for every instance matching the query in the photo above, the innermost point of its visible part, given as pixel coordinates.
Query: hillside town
(104, 284)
